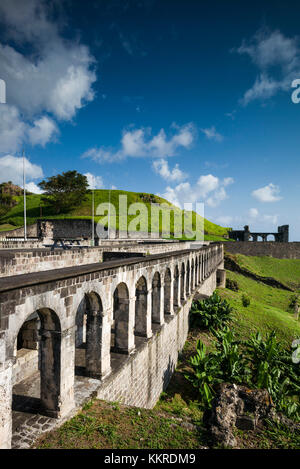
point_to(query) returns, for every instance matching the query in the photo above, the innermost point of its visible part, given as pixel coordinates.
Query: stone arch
(176, 302)
(156, 299)
(182, 282)
(88, 342)
(167, 291)
(141, 292)
(188, 274)
(120, 326)
(46, 398)
(196, 271)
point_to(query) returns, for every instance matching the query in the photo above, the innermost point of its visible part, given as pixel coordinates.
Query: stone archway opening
(121, 338)
(141, 292)
(167, 292)
(182, 282)
(187, 280)
(88, 338)
(37, 368)
(156, 299)
(176, 302)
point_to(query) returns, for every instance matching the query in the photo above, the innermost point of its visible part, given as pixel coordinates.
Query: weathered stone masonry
(131, 316)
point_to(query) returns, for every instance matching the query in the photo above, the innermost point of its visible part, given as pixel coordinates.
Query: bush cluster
(258, 362)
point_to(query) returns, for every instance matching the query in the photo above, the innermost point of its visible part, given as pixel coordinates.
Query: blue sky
(187, 99)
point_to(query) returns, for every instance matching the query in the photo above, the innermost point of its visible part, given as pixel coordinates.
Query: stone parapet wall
(24, 261)
(269, 248)
(28, 261)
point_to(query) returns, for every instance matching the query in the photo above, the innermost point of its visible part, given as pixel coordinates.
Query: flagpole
(109, 215)
(24, 188)
(93, 218)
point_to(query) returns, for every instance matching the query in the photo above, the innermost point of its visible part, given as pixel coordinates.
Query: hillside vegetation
(37, 208)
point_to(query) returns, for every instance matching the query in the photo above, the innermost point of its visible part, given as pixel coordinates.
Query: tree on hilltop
(65, 191)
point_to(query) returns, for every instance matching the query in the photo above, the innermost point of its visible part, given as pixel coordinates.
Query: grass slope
(37, 208)
(287, 271)
(268, 310)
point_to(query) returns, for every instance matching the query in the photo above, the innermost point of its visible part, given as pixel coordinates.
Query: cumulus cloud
(95, 182)
(141, 143)
(253, 212)
(265, 219)
(12, 129)
(208, 189)
(43, 130)
(267, 193)
(56, 78)
(161, 167)
(212, 134)
(277, 59)
(34, 188)
(11, 169)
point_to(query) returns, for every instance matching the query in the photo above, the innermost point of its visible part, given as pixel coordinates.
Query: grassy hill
(269, 307)
(37, 208)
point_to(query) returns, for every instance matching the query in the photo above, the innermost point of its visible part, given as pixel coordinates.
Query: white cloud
(277, 58)
(161, 167)
(11, 169)
(12, 129)
(212, 134)
(140, 143)
(34, 188)
(224, 220)
(264, 219)
(253, 213)
(95, 182)
(267, 193)
(43, 130)
(208, 189)
(55, 78)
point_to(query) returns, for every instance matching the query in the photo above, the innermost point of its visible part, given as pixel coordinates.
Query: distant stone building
(282, 235)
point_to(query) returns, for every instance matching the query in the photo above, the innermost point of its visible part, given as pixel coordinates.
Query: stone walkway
(27, 425)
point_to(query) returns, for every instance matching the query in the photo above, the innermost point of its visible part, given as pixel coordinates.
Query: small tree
(65, 190)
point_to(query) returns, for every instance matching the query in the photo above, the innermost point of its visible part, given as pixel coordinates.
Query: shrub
(273, 369)
(211, 313)
(259, 363)
(232, 284)
(245, 300)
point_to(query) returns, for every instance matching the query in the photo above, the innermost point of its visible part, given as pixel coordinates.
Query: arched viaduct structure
(119, 325)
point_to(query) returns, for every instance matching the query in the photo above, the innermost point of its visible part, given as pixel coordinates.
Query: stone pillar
(221, 278)
(5, 404)
(98, 336)
(179, 290)
(124, 326)
(143, 314)
(57, 353)
(171, 313)
(148, 331)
